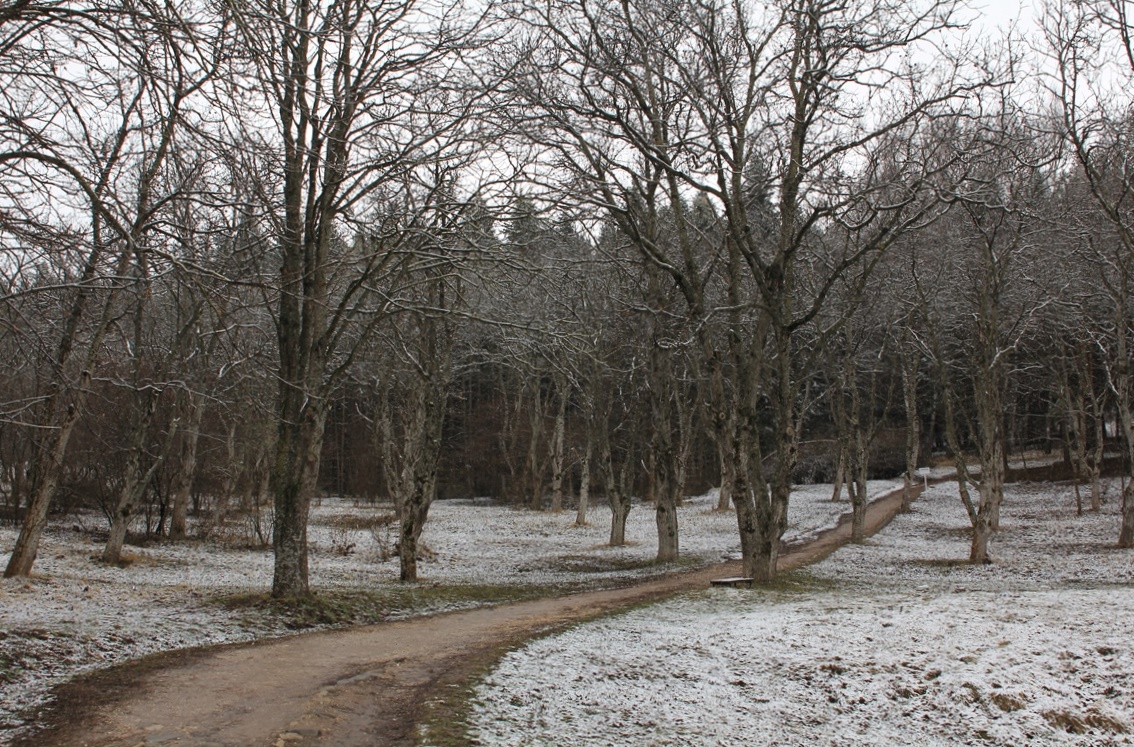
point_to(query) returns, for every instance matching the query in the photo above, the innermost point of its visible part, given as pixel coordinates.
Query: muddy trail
(358, 687)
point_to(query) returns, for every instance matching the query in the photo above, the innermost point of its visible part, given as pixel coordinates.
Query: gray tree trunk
(294, 475)
(1121, 383)
(49, 469)
(617, 479)
(619, 511)
(136, 481)
(910, 359)
(133, 486)
(663, 455)
(186, 470)
(534, 465)
(584, 483)
(559, 448)
(421, 453)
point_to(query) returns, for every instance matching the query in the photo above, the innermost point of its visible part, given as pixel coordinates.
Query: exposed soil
(348, 688)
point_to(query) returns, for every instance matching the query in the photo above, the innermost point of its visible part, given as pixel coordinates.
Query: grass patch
(21, 646)
(599, 564)
(946, 563)
(8, 670)
(445, 720)
(797, 581)
(342, 608)
(361, 522)
(1007, 702)
(1082, 723)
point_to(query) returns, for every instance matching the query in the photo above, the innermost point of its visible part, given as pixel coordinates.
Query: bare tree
(1091, 47)
(981, 297)
(415, 388)
(351, 101)
(94, 95)
(646, 103)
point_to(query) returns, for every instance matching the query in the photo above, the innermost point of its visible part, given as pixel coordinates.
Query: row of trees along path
(258, 252)
(347, 688)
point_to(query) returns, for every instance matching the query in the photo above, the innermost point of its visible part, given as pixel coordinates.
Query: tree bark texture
(186, 468)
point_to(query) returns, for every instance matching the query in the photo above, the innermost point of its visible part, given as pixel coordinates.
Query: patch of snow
(895, 641)
(77, 614)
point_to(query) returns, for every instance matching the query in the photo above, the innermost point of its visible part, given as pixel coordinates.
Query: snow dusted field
(892, 642)
(77, 614)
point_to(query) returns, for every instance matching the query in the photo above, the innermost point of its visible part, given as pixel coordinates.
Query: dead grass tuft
(1081, 723)
(832, 668)
(970, 693)
(127, 559)
(361, 522)
(1007, 702)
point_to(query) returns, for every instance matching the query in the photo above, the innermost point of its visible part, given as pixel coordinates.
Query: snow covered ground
(77, 614)
(893, 642)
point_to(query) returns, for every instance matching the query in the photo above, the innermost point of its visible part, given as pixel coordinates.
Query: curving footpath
(349, 688)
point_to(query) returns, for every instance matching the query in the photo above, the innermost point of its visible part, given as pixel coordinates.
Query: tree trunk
(49, 469)
(728, 479)
(259, 480)
(132, 494)
(584, 483)
(684, 454)
(617, 479)
(414, 512)
(910, 359)
(761, 508)
(1096, 416)
(666, 516)
(1126, 420)
(559, 449)
(1075, 446)
(294, 478)
(534, 465)
(723, 416)
(840, 473)
(132, 487)
(992, 470)
(759, 560)
(423, 447)
(841, 419)
(663, 456)
(758, 547)
(982, 531)
(619, 511)
(186, 469)
(978, 517)
(857, 489)
(859, 463)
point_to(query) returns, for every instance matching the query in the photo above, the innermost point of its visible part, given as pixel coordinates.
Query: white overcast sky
(989, 15)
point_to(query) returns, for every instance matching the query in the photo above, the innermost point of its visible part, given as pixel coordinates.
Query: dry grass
(361, 521)
(1082, 723)
(1007, 702)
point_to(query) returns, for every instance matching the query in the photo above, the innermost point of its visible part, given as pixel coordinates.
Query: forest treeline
(258, 252)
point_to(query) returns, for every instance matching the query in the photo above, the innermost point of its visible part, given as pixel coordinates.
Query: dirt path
(349, 688)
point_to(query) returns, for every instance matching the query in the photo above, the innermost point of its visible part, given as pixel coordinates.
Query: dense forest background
(257, 252)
